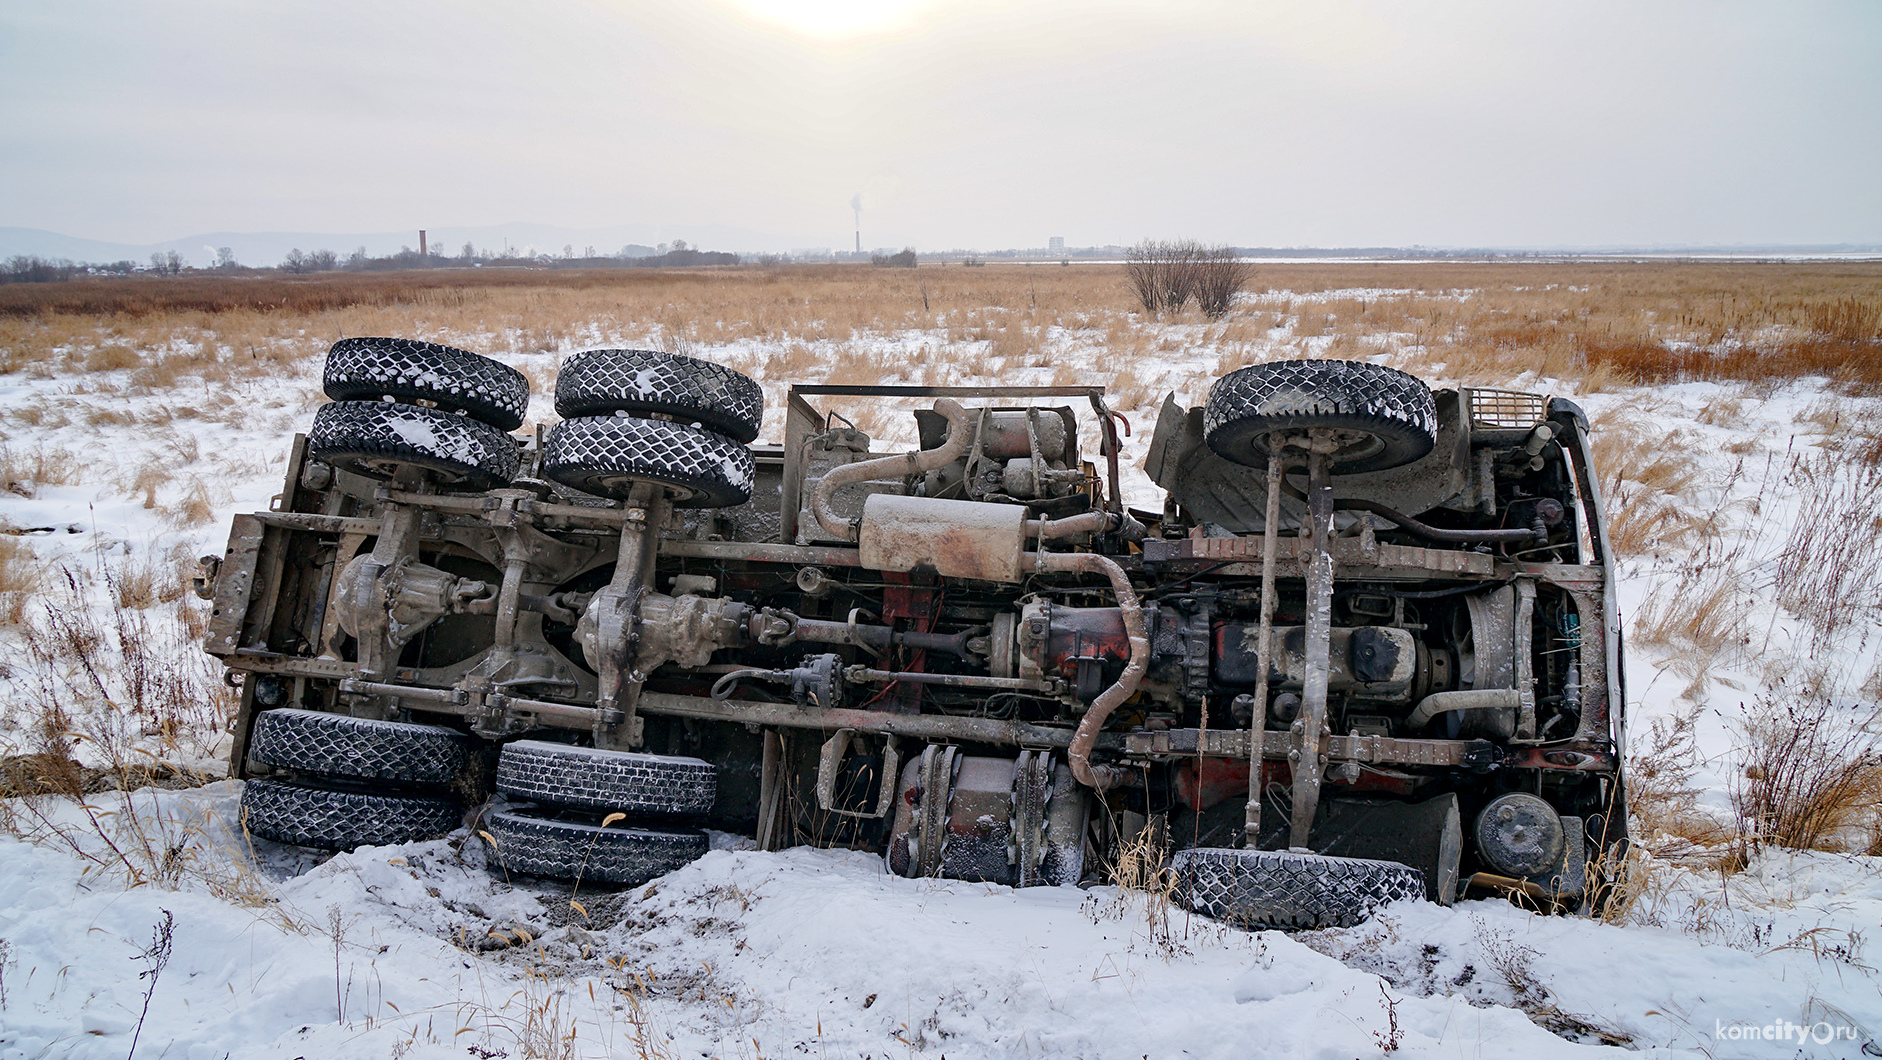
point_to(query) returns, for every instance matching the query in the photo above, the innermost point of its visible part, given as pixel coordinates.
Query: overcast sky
(963, 123)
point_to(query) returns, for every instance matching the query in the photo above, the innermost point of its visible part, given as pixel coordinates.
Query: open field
(1624, 322)
(1738, 412)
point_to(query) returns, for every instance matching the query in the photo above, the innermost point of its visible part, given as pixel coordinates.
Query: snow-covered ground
(419, 951)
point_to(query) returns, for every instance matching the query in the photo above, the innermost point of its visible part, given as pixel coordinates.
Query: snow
(419, 951)
(424, 436)
(822, 952)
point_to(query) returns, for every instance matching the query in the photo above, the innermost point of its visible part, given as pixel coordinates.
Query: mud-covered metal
(973, 649)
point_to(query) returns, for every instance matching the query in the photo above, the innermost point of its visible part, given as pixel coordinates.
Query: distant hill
(268, 248)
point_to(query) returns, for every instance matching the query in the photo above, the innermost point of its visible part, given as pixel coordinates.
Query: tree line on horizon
(32, 268)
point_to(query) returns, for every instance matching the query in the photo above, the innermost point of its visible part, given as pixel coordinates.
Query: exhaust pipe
(1079, 754)
(896, 466)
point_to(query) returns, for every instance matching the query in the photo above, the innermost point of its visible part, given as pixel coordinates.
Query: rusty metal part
(365, 597)
(235, 577)
(1032, 785)
(1005, 684)
(683, 629)
(828, 719)
(830, 759)
(1464, 699)
(1603, 717)
(772, 791)
(203, 582)
(1110, 446)
(1003, 645)
(1490, 881)
(777, 628)
(979, 840)
(1170, 744)
(1354, 557)
(1525, 661)
(1264, 646)
(896, 466)
(1438, 533)
(1308, 757)
(1380, 663)
(1007, 434)
(567, 714)
(1083, 523)
(1062, 640)
(613, 617)
(439, 697)
(412, 594)
(1425, 530)
(954, 539)
(457, 701)
(1079, 755)
(937, 782)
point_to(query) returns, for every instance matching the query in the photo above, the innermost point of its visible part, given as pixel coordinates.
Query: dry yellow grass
(20, 576)
(1812, 776)
(1600, 323)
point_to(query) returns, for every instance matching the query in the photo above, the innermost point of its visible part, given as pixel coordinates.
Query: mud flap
(1428, 836)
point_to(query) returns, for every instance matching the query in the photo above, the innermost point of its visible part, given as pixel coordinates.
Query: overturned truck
(1367, 649)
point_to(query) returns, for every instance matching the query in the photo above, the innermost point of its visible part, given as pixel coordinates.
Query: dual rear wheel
(630, 416)
(610, 817)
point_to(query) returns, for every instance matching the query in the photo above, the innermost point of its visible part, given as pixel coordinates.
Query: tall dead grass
(112, 696)
(1663, 789)
(1812, 774)
(20, 575)
(1829, 573)
(1595, 322)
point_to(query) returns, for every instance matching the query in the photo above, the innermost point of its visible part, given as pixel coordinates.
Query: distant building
(1056, 244)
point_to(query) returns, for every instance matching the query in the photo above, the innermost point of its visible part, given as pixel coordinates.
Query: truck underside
(1366, 650)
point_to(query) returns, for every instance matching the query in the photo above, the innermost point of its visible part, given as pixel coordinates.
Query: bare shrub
(1221, 275)
(1164, 273)
(1811, 770)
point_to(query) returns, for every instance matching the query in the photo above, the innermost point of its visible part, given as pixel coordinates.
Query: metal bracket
(937, 784)
(831, 759)
(1032, 785)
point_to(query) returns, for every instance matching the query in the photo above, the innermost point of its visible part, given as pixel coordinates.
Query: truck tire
(1392, 416)
(639, 382)
(535, 843)
(313, 815)
(1286, 889)
(338, 745)
(368, 369)
(607, 455)
(372, 438)
(590, 779)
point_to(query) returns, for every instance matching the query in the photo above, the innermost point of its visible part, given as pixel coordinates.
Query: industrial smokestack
(856, 204)
(421, 243)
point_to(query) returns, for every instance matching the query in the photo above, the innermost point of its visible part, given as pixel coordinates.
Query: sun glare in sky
(832, 18)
